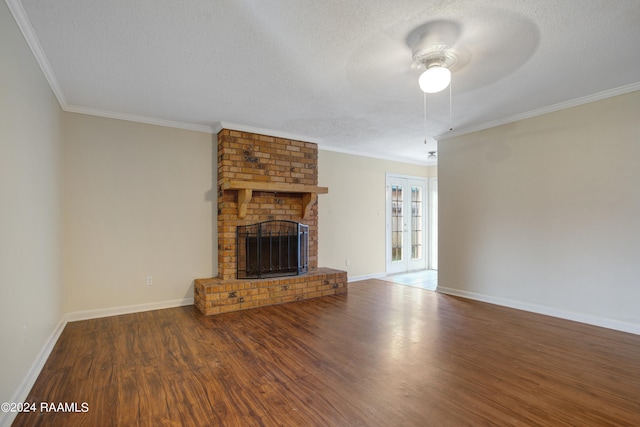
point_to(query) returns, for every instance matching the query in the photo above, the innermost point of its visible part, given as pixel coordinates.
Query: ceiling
(335, 72)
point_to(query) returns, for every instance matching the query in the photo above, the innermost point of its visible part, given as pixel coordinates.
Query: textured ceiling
(336, 72)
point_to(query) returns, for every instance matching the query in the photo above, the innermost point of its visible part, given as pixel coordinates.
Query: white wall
(31, 290)
(351, 219)
(139, 201)
(544, 214)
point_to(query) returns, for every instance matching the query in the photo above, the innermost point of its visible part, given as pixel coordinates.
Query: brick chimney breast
(271, 162)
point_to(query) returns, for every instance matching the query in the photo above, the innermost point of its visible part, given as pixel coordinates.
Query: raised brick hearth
(213, 296)
(263, 178)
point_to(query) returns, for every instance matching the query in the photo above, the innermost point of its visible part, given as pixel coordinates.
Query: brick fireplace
(265, 178)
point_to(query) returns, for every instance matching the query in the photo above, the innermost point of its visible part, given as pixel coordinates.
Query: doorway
(406, 224)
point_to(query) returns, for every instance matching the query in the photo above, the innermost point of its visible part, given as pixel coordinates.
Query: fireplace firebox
(272, 249)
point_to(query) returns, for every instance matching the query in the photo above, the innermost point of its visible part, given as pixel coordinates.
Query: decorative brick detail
(247, 156)
(213, 296)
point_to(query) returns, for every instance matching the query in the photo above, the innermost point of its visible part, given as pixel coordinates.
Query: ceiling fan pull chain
(425, 116)
(450, 108)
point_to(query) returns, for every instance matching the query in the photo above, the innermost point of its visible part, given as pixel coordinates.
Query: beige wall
(138, 202)
(31, 290)
(544, 214)
(351, 217)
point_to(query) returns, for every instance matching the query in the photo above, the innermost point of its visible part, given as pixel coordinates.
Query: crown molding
(20, 16)
(388, 158)
(138, 118)
(540, 111)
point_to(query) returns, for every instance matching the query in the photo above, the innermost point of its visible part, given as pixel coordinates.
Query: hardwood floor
(382, 355)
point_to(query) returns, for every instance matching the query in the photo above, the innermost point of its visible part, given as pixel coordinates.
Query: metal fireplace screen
(272, 249)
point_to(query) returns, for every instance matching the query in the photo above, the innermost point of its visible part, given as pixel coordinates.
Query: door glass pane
(416, 222)
(397, 222)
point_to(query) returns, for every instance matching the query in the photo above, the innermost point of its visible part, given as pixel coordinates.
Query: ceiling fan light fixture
(435, 79)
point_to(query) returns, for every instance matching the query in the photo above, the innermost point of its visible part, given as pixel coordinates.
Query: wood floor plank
(383, 355)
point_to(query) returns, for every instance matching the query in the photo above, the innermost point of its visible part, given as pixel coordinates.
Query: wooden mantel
(245, 191)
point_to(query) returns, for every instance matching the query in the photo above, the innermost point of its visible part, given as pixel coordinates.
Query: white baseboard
(20, 395)
(366, 277)
(548, 311)
(127, 309)
(6, 418)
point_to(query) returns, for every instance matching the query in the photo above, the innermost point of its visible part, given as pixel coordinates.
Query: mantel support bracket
(244, 197)
(308, 200)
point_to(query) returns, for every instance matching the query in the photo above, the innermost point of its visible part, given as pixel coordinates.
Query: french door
(406, 224)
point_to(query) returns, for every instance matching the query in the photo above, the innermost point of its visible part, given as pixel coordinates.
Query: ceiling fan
(433, 53)
(475, 46)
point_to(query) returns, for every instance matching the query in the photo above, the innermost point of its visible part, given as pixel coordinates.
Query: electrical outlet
(347, 262)
(149, 280)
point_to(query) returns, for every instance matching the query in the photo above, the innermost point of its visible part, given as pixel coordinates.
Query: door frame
(389, 176)
(433, 224)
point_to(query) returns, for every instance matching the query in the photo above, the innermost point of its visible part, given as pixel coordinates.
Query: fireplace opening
(272, 249)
